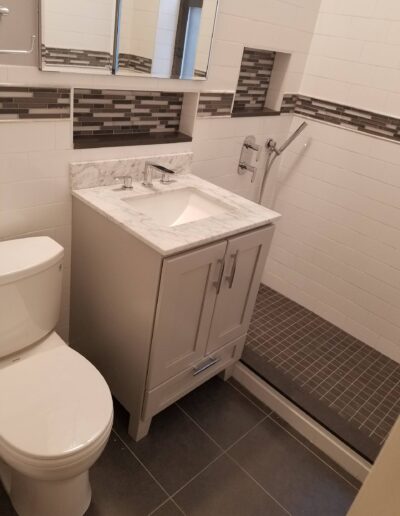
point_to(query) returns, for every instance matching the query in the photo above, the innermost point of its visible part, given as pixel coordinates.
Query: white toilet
(56, 409)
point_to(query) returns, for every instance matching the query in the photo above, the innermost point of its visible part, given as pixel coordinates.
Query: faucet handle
(244, 167)
(127, 182)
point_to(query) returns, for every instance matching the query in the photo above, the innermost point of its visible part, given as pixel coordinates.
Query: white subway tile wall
(354, 56)
(337, 247)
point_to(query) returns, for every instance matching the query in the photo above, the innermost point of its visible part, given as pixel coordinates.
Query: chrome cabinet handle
(218, 283)
(205, 365)
(234, 266)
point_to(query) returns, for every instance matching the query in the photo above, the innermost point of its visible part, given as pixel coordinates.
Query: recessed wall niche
(114, 118)
(261, 77)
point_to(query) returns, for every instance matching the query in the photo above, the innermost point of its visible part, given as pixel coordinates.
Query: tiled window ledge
(125, 140)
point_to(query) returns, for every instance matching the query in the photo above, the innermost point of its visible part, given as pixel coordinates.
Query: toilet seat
(55, 408)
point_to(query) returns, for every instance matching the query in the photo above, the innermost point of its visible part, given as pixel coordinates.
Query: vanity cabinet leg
(138, 428)
(227, 373)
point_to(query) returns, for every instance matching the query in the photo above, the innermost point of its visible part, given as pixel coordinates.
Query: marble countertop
(241, 214)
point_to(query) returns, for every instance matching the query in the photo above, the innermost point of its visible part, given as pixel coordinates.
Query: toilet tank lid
(27, 256)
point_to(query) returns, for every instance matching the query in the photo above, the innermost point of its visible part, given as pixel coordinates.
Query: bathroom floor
(215, 453)
(346, 385)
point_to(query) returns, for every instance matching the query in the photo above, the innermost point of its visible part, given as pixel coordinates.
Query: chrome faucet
(148, 173)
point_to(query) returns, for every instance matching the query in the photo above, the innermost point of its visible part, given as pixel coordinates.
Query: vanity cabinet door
(244, 263)
(186, 301)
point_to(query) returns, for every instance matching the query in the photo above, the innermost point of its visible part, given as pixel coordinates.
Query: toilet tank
(30, 291)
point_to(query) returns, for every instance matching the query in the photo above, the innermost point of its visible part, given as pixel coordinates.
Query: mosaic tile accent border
(215, 104)
(89, 174)
(135, 63)
(254, 79)
(108, 112)
(17, 103)
(369, 122)
(52, 56)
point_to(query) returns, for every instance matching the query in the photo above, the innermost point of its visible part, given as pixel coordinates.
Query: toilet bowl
(56, 409)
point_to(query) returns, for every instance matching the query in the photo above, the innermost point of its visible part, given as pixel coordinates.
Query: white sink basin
(178, 207)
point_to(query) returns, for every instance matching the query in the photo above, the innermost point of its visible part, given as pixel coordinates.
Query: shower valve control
(245, 163)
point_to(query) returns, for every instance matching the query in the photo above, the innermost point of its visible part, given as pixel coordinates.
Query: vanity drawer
(159, 398)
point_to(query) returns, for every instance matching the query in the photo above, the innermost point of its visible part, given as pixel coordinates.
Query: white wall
(205, 34)
(138, 27)
(78, 24)
(337, 248)
(165, 38)
(354, 57)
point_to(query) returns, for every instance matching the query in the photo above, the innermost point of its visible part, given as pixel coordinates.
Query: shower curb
(335, 449)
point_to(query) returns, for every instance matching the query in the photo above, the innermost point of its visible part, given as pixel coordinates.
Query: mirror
(154, 38)
(77, 35)
(165, 38)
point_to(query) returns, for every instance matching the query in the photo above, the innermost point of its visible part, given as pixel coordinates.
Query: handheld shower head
(273, 152)
(291, 138)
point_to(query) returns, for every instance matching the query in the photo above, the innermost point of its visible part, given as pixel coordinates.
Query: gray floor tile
(236, 385)
(175, 449)
(168, 509)
(224, 413)
(292, 474)
(340, 471)
(120, 485)
(223, 489)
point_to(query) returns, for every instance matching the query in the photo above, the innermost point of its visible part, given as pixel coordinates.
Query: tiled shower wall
(342, 192)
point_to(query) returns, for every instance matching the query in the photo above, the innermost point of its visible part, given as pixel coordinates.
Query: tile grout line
(258, 483)
(169, 497)
(212, 439)
(225, 452)
(313, 453)
(221, 454)
(374, 393)
(165, 503)
(143, 466)
(267, 411)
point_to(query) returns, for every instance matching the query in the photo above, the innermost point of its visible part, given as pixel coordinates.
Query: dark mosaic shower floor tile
(349, 387)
